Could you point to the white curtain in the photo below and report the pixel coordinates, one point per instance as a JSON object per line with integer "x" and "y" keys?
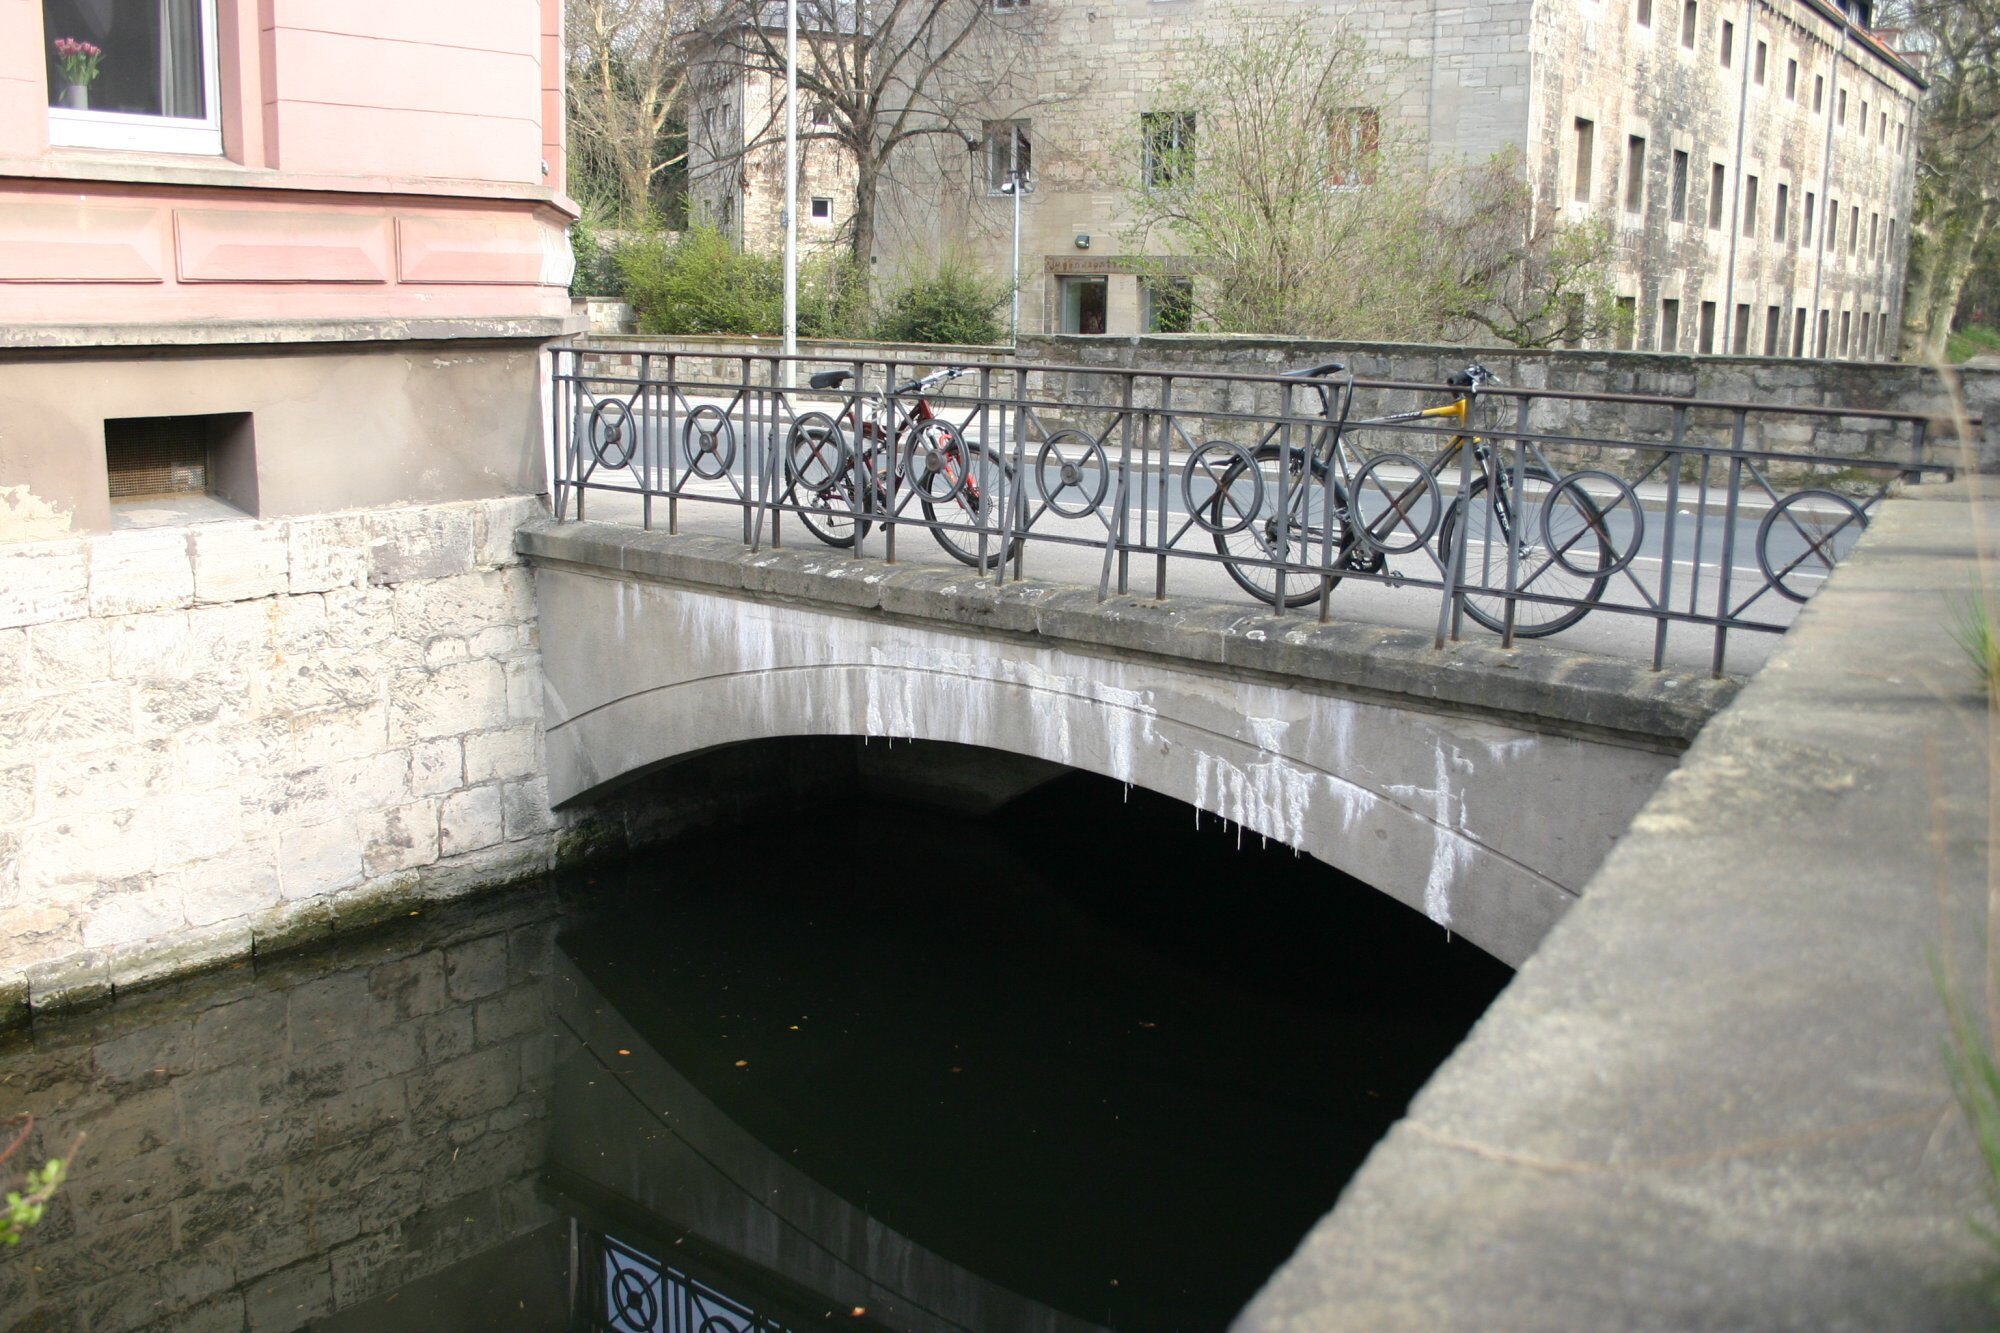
{"x": 181, "y": 92}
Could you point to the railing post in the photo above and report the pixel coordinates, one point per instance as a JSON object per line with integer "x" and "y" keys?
{"x": 1124, "y": 488}
{"x": 1662, "y": 624}
{"x": 1517, "y": 536}
{"x": 1728, "y": 541}
{"x": 1165, "y": 432}
{"x": 1454, "y": 565}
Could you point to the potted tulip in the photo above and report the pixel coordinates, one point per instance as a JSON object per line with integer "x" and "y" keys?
{"x": 79, "y": 66}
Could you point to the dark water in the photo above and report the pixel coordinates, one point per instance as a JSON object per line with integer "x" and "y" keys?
{"x": 877, "y": 1065}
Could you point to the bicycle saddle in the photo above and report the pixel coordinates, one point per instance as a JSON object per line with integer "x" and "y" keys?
{"x": 1315, "y": 372}
{"x": 830, "y": 379}
{"x": 1473, "y": 375}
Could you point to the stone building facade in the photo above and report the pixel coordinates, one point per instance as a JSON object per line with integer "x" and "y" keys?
{"x": 1715, "y": 138}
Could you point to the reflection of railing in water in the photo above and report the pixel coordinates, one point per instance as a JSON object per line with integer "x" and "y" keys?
{"x": 1702, "y": 531}
{"x": 629, "y": 1291}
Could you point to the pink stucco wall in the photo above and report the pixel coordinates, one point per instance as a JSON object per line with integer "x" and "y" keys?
{"x": 381, "y": 159}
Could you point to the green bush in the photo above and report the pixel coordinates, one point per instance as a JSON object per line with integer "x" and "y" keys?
{"x": 596, "y": 264}
{"x": 700, "y": 283}
{"x": 953, "y": 303}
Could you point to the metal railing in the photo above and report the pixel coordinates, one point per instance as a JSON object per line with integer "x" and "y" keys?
{"x": 1683, "y": 515}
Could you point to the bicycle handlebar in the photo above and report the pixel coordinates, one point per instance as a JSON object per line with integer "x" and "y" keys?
{"x": 935, "y": 377}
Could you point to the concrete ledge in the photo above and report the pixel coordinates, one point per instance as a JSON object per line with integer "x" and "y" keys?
{"x": 248, "y": 333}
{"x": 1531, "y": 683}
{"x": 1715, "y": 1096}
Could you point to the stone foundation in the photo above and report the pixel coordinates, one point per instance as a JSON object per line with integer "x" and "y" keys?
{"x": 223, "y": 735}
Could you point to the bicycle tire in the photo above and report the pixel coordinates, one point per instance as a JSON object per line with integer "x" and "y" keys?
{"x": 1257, "y": 540}
{"x": 972, "y": 501}
{"x": 1547, "y": 576}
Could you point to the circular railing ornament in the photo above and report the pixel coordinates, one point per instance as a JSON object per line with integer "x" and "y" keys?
{"x": 1816, "y": 535}
{"x": 1067, "y": 460}
{"x": 816, "y": 451}
{"x": 935, "y": 462}
{"x": 1597, "y": 512}
{"x": 710, "y": 440}
{"x": 612, "y": 435}
{"x": 1237, "y": 487}
{"x": 1421, "y": 504}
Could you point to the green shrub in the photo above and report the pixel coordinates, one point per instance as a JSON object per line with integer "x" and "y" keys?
{"x": 700, "y": 283}
{"x": 596, "y": 264}
{"x": 953, "y": 303}
{"x": 833, "y": 298}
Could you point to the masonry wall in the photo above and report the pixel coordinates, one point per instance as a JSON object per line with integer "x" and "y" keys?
{"x": 1766, "y": 383}
{"x": 222, "y": 733}
{"x": 264, "y": 1149}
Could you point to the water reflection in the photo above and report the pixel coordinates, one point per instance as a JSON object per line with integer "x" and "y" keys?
{"x": 1076, "y": 1066}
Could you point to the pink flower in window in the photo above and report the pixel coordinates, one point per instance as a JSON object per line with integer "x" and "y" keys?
{"x": 79, "y": 60}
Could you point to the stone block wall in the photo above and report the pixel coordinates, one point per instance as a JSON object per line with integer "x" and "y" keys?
{"x": 1772, "y": 383}
{"x": 220, "y": 735}
{"x": 262, "y": 1150}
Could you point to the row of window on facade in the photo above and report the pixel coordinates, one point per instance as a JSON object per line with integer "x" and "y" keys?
{"x": 1167, "y": 145}
{"x": 1859, "y": 334}
{"x": 1751, "y": 221}
{"x": 1760, "y": 67}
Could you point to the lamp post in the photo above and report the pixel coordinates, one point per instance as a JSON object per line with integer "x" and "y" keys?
{"x": 1017, "y": 185}
{"x": 791, "y": 189}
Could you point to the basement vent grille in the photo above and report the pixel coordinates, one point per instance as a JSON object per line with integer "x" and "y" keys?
{"x": 149, "y": 456}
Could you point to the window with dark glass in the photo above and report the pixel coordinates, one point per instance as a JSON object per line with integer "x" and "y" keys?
{"x": 1009, "y": 154}
{"x": 129, "y": 57}
{"x": 1166, "y": 146}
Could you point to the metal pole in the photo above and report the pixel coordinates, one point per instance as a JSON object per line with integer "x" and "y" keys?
{"x": 791, "y": 190}
{"x": 1014, "y": 174}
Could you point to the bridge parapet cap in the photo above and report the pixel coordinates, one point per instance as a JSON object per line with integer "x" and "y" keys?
{"x": 1536, "y": 685}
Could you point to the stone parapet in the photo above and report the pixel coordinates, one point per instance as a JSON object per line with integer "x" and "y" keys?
{"x": 223, "y": 734}
{"x": 1718, "y": 1095}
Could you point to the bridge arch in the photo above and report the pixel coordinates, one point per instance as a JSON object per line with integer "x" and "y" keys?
{"x": 1489, "y": 829}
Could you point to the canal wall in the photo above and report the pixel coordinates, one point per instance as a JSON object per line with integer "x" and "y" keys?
{"x": 1719, "y": 1096}
{"x": 220, "y": 735}
{"x": 263, "y": 1149}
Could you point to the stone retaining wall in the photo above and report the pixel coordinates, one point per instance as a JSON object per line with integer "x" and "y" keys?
{"x": 1771, "y": 383}
{"x": 221, "y": 734}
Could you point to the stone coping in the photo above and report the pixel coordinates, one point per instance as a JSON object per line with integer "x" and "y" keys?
{"x": 259, "y": 332}
{"x": 1716, "y": 1096}
{"x": 1532, "y": 683}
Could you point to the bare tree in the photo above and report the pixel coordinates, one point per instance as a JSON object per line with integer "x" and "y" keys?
{"x": 1958, "y": 162}
{"x": 877, "y": 78}
{"x": 627, "y": 73}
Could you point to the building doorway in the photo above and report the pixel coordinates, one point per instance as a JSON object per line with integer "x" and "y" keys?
{"x": 1084, "y": 304}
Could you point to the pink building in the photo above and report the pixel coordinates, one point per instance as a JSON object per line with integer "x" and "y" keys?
{"x": 275, "y": 280}
{"x": 272, "y": 173}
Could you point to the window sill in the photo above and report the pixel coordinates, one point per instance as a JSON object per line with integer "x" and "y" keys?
{"x": 133, "y": 134}
{"x": 173, "y": 169}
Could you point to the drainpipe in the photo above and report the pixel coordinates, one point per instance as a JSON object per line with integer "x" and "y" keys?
{"x": 1825, "y": 199}
{"x": 1749, "y": 55}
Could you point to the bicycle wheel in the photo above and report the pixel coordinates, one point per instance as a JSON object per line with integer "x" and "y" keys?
{"x": 1305, "y": 536}
{"x": 819, "y": 481}
{"x": 973, "y": 483}
{"x": 1574, "y": 523}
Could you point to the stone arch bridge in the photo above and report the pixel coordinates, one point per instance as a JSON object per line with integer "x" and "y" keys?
{"x": 1478, "y": 786}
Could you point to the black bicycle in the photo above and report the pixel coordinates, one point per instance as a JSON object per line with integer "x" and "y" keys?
{"x": 1318, "y": 511}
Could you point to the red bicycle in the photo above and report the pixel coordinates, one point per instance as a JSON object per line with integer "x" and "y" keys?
{"x": 885, "y": 450}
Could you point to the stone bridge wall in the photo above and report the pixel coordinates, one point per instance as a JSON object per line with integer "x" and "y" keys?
{"x": 221, "y": 733}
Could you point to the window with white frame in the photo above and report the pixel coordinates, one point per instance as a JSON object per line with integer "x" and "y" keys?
{"x": 822, "y": 210}
{"x": 132, "y": 74}
{"x": 1166, "y": 146}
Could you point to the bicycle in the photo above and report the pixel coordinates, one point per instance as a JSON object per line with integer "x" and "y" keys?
{"x": 1562, "y": 549}
{"x": 839, "y": 490}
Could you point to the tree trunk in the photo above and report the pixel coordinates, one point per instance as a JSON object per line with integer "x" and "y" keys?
{"x": 867, "y": 182}
{"x": 1942, "y": 255}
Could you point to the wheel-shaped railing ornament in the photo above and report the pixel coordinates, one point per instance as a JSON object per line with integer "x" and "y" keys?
{"x": 1413, "y": 510}
{"x": 815, "y": 451}
{"x": 1817, "y": 532}
{"x": 710, "y": 440}
{"x": 612, "y": 434}
{"x": 1072, "y": 473}
{"x": 935, "y": 461}
{"x": 1236, "y": 494}
{"x": 1572, "y": 497}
